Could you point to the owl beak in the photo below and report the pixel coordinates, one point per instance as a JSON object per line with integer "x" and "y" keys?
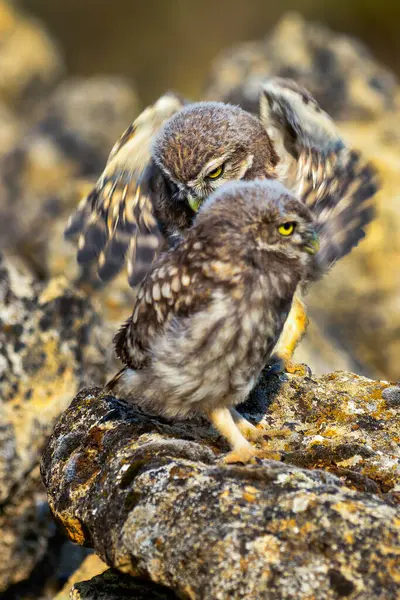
{"x": 194, "y": 203}
{"x": 312, "y": 245}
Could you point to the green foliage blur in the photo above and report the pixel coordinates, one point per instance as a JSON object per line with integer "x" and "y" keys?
{"x": 169, "y": 44}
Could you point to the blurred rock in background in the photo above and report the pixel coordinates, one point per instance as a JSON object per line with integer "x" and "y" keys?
{"x": 56, "y": 323}
{"x": 338, "y": 70}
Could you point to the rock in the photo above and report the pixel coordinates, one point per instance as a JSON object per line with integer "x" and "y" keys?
{"x": 90, "y": 568}
{"x": 152, "y": 498}
{"x": 30, "y": 61}
{"x": 392, "y": 396}
{"x": 51, "y": 343}
{"x": 26, "y": 527}
{"x": 49, "y": 170}
{"x": 112, "y": 585}
{"x": 355, "y": 310}
{"x": 337, "y": 69}
{"x": 10, "y": 129}
{"x": 70, "y": 140}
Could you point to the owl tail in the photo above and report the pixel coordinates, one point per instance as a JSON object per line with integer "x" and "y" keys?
{"x": 343, "y": 204}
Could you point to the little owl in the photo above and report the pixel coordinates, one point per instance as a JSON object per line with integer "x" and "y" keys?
{"x": 211, "y": 309}
{"x": 176, "y": 154}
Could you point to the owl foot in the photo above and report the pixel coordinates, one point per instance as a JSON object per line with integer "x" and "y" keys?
{"x": 257, "y": 433}
{"x": 277, "y": 433}
{"x": 248, "y": 454}
{"x": 244, "y": 454}
{"x": 280, "y": 365}
{"x": 250, "y": 431}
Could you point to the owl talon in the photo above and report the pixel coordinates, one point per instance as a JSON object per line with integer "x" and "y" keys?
{"x": 300, "y": 369}
{"x": 244, "y": 454}
{"x": 280, "y": 365}
{"x": 249, "y": 454}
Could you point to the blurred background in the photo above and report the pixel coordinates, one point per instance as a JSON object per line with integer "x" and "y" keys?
{"x": 163, "y": 44}
{"x": 73, "y": 75}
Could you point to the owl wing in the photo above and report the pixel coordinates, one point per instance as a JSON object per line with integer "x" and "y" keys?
{"x": 172, "y": 289}
{"x": 334, "y": 181}
{"x": 304, "y": 135}
{"x": 343, "y": 206}
{"x": 115, "y": 221}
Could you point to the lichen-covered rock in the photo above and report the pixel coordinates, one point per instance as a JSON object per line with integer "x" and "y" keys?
{"x": 153, "y": 499}
{"x": 89, "y": 569}
{"x": 26, "y": 526}
{"x": 113, "y": 585}
{"x": 30, "y": 62}
{"x": 51, "y": 343}
{"x": 337, "y": 69}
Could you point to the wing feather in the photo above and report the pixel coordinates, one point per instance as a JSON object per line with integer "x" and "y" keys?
{"x": 343, "y": 205}
{"x": 335, "y": 182}
{"x": 120, "y": 206}
{"x": 304, "y": 135}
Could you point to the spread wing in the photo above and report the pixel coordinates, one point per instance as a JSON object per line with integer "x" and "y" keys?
{"x": 115, "y": 221}
{"x": 304, "y": 135}
{"x": 343, "y": 205}
{"x": 335, "y": 182}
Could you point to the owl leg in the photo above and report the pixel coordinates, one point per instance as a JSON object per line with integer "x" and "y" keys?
{"x": 250, "y": 431}
{"x": 254, "y": 433}
{"x": 293, "y": 331}
{"x": 242, "y": 450}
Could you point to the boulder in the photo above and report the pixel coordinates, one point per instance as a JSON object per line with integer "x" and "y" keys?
{"x": 153, "y": 498}
{"x": 30, "y": 60}
{"x": 51, "y": 343}
{"x": 90, "y": 569}
{"x": 53, "y": 163}
{"x": 113, "y": 585}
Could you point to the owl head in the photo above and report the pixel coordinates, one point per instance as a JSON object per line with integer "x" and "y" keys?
{"x": 265, "y": 218}
{"x": 208, "y": 144}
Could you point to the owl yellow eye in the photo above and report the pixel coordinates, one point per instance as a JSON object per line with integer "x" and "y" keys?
{"x": 216, "y": 173}
{"x": 286, "y": 228}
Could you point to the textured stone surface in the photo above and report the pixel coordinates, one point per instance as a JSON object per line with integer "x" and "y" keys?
{"x": 153, "y": 499}
{"x": 26, "y": 526}
{"x": 90, "y": 568}
{"x": 51, "y": 343}
{"x": 337, "y": 69}
{"x": 112, "y": 585}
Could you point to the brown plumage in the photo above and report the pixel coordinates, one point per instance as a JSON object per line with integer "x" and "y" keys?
{"x": 176, "y": 155}
{"x": 211, "y": 310}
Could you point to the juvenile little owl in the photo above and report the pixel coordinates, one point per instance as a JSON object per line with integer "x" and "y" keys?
{"x": 175, "y": 155}
{"x": 211, "y": 309}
